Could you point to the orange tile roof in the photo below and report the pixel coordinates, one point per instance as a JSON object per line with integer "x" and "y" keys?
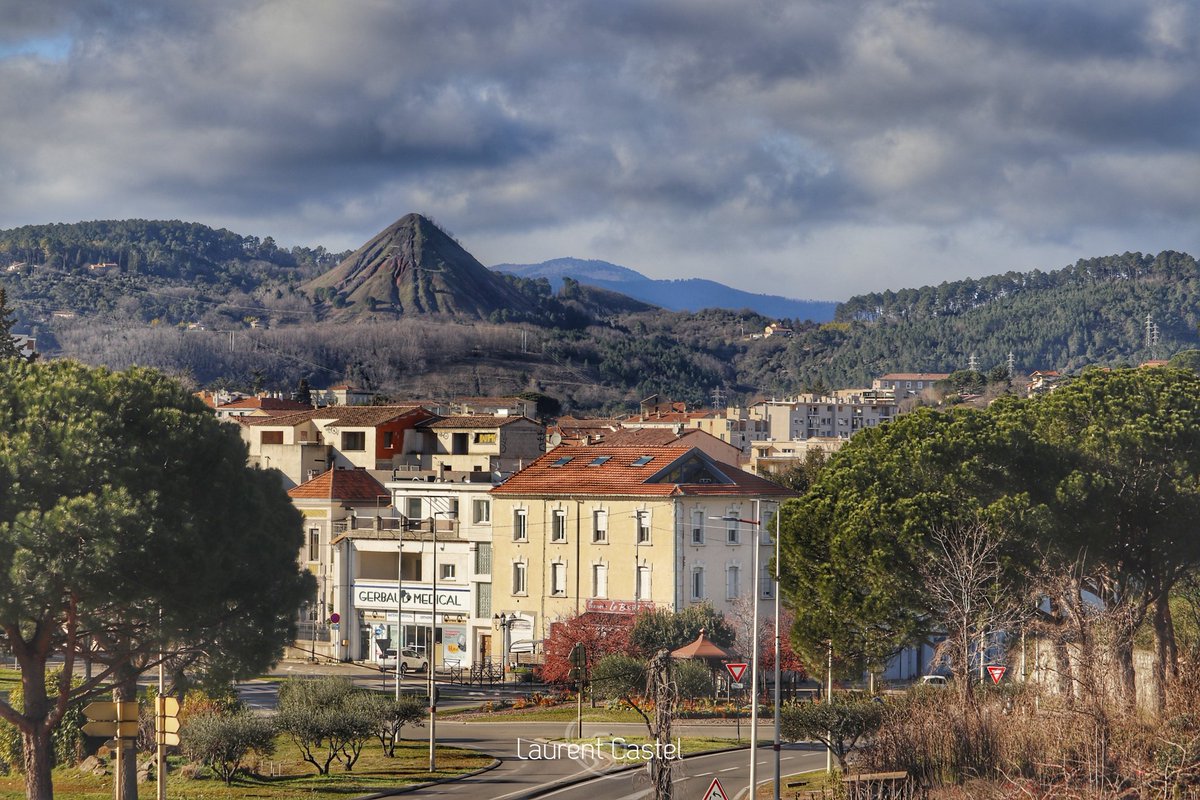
{"x": 267, "y": 404}
{"x": 616, "y": 476}
{"x": 341, "y": 484}
{"x": 475, "y": 421}
{"x": 352, "y": 416}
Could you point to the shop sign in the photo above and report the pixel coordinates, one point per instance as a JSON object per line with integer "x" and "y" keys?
{"x": 415, "y": 597}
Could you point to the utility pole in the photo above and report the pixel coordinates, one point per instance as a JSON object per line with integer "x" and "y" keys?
{"x": 776, "y": 698}
{"x": 829, "y": 700}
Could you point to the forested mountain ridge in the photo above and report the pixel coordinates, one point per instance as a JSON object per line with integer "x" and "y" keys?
{"x": 222, "y": 309}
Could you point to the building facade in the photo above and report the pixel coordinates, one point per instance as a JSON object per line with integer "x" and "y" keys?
{"x": 618, "y": 529}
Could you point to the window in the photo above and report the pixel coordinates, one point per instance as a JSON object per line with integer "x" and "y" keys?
{"x": 643, "y": 527}
{"x": 483, "y": 600}
{"x": 766, "y": 582}
{"x": 698, "y": 583}
{"x": 599, "y": 461}
{"x": 642, "y": 461}
{"x": 732, "y": 582}
{"x": 483, "y": 558}
{"x": 558, "y": 579}
{"x": 272, "y": 437}
{"x": 447, "y": 572}
{"x": 599, "y": 580}
{"x": 388, "y": 438}
{"x": 562, "y": 462}
{"x": 485, "y": 438}
{"x": 519, "y": 586}
{"x": 354, "y": 440}
{"x": 600, "y": 525}
{"x": 520, "y": 531}
{"x": 643, "y": 583}
{"x": 732, "y": 532}
{"x": 698, "y": 527}
{"x": 412, "y": 507}
{"x": 314, "y": 544}
{"x": 558, "y": 526}
{"x": 481, "y": 511}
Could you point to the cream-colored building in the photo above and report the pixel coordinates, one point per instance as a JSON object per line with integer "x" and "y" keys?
{"x": 616, "y": 529}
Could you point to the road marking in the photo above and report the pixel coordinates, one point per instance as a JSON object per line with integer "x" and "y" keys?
{"x": 703, "y": 774}
{"x": 728, "y": 769}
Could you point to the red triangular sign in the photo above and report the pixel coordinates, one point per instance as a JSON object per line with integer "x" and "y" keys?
{"x": 715, "y": 792}
{"x": 997, "y": 673}
{"x": 736, "y": 671}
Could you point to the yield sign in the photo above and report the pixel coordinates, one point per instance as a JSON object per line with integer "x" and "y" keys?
{"x": 736, "y": 671}
{"x": 715, "y": 792}
{"x": 997, "y": 673}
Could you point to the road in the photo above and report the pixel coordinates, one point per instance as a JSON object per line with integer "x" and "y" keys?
{"x": 522, "y": 774}
{"x": 692, "y": 777}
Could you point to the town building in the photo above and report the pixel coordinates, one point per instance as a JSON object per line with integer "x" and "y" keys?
{"x": 474, "y": 443}
{"x": 305, "y": 444}
{"x": 908, "y": 384}
{"x": 618, "y": 529}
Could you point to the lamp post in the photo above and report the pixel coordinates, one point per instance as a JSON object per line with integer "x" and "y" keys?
{"x": 778, "y": 672}
{"x": 505, "y": 623}
{"x": 450, "y": 515}
{"x": 757, "y": 522}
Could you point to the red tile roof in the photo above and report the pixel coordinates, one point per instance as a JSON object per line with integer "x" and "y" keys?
{"x": 267, "y": 404}
{"x": 346, "y": 416}
{"x": 342, "y": 484}
{"x": 579, "y": 473}
{"x": 475, "y": 421}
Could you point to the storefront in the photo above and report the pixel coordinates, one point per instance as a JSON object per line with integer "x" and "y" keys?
{"x": 382, "y": 615}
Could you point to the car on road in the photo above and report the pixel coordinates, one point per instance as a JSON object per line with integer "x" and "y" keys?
{"x": 934, "y": 680}
{"x": 411, "y": 660}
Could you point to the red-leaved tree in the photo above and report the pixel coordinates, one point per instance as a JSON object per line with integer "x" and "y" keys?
{"x": 600, "y": 633}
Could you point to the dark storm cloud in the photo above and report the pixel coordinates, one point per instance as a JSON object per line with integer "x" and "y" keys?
{"x": 675, "y": 134}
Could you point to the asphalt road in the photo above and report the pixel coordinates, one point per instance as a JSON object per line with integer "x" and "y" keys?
{"x": 692, "y": 777}
{"x": 523, "y": 774}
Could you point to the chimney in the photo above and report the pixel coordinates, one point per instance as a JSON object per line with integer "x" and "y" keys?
{"x": 442, "y": 471}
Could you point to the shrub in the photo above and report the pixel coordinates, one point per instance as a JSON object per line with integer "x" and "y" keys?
{"x": 838, "y": 725}
{"x": 328, "y": 719}
{"x": 693, "y": 679}
{"x": 222, "y": 741}
{"x": 617, "y": 675}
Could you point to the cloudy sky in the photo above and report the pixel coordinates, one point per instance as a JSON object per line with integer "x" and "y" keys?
{"x": 812, "y": 148}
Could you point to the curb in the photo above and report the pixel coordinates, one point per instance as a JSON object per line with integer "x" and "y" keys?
{"x": 417, "y": 786}
{"x": 575, "y": 780}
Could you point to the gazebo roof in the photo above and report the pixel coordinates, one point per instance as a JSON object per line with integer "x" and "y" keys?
{"x": 703, "y": 647}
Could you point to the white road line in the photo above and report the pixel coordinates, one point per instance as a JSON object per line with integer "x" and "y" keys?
{"x": 728, "y": 769}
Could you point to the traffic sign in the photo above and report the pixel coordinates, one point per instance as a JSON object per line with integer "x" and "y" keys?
{"x": 736, "y": 671}
{"x": 121, "y": 730}
{"x": 166, "y": 706}
{"x": 715, "y": 792}
{"x": 168, "y": 738}
{"x": 997, "y": 672}
{"x": 112, "y": 712}
{"x": 335, "y": 618}
{"x": 737, "y": 686}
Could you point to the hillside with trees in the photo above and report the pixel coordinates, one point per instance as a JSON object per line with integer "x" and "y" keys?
{"x": 421, "y": 319}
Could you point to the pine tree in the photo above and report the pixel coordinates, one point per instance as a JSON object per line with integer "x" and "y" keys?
{"x": 8, "y": 347}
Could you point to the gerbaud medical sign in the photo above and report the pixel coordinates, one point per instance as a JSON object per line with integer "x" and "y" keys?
{"x": 415, "y": 597}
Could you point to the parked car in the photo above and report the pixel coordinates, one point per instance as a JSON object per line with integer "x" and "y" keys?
{"x": 934, "y": 680}
{"x": 411, "y": 660}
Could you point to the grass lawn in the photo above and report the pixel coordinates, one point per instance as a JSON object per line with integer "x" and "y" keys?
{"x": 10, "y": 679}
{"x": 562, "y": 713}
{"x": 292, "y": 777}
{"x": 815, "y": 780}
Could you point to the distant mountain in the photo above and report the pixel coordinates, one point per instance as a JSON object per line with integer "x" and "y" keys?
{"x": 689, "y": 294}
{"x": 414, "y": 267}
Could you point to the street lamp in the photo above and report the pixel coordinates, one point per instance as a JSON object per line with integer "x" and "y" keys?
{"x": 429, "y": 662}
{"x": 505, "y": 624}
{"x": 757, "y": 523}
